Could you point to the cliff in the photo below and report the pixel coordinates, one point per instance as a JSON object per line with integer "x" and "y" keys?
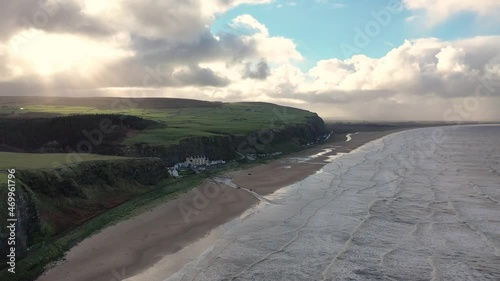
{"x": 226, "y": 147}
{"x": 52, "y": 201}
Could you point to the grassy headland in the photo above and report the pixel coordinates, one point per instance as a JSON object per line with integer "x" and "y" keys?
{"x": 175, "y": 123}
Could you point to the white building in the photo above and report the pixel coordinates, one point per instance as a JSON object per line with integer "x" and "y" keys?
{"x": 197, "y": 161}
{"x": 173, "y": 173}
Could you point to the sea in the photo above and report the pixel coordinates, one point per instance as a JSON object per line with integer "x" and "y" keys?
{"x": 422, "y": 204}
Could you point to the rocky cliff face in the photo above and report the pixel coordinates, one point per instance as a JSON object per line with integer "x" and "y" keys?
{"x": 53, "y": 201}
{"x": 281, "y": 138}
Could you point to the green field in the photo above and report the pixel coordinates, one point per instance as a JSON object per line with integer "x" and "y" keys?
{"x": 181, "y": 123}
{"x": 10, "y": 160}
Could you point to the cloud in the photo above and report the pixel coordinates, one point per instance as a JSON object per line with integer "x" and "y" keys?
{"x": 259, "y": 71}
{"x": 136, "y": 36}
{"x": 451, "y": 60}
{"x": 421, "y": 79}
{"x": 197, "y": 76}
{"x": 247, "y": 21}
{"x": 438, "y": 11}
{"x": 207, "y": 47}
{"x": 277, "y": 49}
{"x": 332, "y": 4}
{"x": 36, "y": 51}
{"x": 166, "y": 48}
{"x": 421, "y": 67}
{"x": 287, "y": 4}
{"x": 423, "y": 75}
{"x": 50, "y": 15}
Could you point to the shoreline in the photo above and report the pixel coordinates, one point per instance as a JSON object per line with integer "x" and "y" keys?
{"x": 135, "y": 245}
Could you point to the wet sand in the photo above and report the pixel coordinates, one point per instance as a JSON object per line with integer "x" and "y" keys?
{"x": 267, "y": 178}
{"x": 134, "y": 245}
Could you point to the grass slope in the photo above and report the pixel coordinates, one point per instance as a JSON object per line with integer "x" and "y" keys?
{"x": 10, "y": 160}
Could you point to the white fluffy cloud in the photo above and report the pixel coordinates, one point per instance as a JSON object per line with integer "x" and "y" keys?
{"x": 420, "y": 67}
{"x": 274, "y": 49}
{"x": 419, "y": 76}
{"x": 437, "y": 11}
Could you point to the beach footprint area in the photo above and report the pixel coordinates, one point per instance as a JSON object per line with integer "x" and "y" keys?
{"x": 416, "y": 205}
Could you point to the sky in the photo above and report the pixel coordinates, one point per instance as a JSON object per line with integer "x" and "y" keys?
{"x": 348, "y": 60}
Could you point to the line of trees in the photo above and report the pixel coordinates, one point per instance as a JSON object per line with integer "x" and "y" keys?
{"x": 60, "y": 133}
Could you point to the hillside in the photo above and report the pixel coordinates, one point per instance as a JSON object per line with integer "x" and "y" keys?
{"x": 137, "y": 126}
{"x": 25, "y": 161}
{"x": 56, "y": 204}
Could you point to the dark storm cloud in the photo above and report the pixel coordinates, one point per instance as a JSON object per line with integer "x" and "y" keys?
{"x": 260, "y": 71}
{"x": 200, "y": 77}
{"x": 129, "y": 73}
{"x": 342, "y": 97}
{"x": 335, "y": 96}
{"x": 133, "y": 72}
{"x": 230, "y": 47}
{"x": 53, "y": 16}
{"x": 3, "y": 68}
{"x": 182, "y": 20}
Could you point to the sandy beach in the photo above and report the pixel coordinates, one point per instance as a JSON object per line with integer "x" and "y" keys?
{"x": 134, "y": 245}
